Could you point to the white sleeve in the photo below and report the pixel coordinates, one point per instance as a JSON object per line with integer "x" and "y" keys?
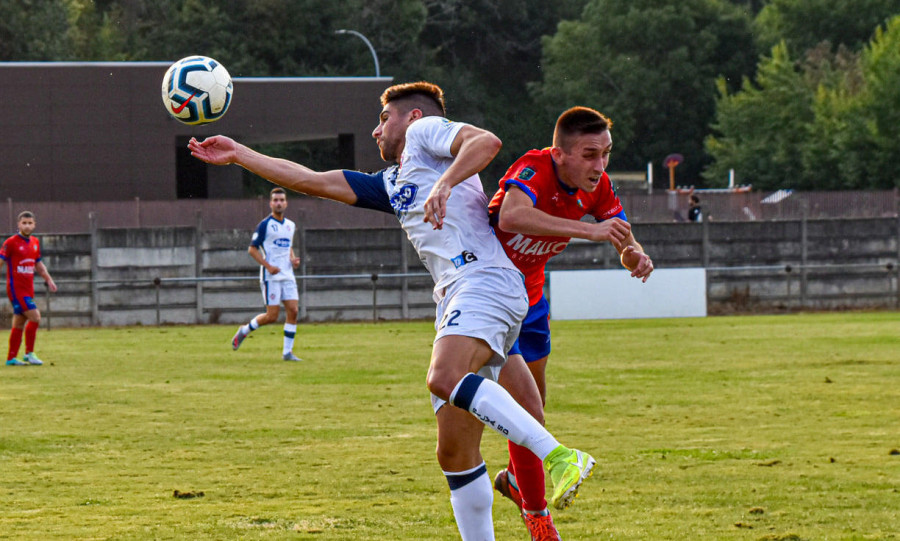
{"x": 434, "y": 134}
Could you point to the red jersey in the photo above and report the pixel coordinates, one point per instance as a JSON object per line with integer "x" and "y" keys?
{"x": 535, "y": 174}
{"x": 20, "y": 255}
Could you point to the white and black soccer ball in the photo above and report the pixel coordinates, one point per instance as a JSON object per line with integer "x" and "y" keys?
{"x": 197, "y": 90}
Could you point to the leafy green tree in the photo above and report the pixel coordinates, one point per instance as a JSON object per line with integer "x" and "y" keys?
{"x": 803, "y": 24}
{"x": 833, "y": 151}
{"x": 34, "y": 30}
{"x": 881, "y": 101}
{"x": 762, "y": 127}
{"x": 829, "y": 122}
{"x": 484, "y": 53}
{"x": 651, "y": 66}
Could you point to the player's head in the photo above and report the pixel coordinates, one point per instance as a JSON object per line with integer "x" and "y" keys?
{"x": 401, "y": 105}
{"x": 695, "y": 200}
{"x": 278, "y": 201}
{"x": 581, "y": 147}
{"x": 25, "y": 222}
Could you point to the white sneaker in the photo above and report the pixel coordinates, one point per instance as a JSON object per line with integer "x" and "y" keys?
{"x": 289, "y": 356}
{"x": 31, "y": 358}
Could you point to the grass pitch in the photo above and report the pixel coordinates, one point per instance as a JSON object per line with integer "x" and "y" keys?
{"x": 735, "y": 428}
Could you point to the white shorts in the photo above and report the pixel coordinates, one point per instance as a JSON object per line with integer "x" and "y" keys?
{"x": 488, "y": 304}
{"x": 277, "y": 291}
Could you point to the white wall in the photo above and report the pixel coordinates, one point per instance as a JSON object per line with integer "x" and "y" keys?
{"x": 614, "y": 294}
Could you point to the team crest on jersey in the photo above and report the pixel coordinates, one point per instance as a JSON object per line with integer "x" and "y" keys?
{"x": 463, "y": 258}
{"x": 404, "y": 197}
{"x": 525, "y": 174}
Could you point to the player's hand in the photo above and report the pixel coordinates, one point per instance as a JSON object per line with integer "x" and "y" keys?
{"x": 615, "y": 230}
{"x": 295, "y": 261}
{"x": 51, "y": 285}
{"x": 637, "y": 262}
{"x": 273, "y": 269}
{"x": 217, "y": 150}
{"x": 436, "y": 205}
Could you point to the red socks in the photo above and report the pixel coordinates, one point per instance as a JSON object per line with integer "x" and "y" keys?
{"x": 15, "y": 339}
{"x": 529, "y": 472}
{"x": 30, "y": 335}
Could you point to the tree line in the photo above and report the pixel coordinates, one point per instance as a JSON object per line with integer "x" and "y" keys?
{"x": 801, "y": 94}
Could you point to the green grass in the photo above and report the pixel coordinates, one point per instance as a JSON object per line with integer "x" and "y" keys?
{"x": 735, "y": 428}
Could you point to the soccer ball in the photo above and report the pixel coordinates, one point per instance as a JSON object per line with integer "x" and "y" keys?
{"x": 196, "y": 90}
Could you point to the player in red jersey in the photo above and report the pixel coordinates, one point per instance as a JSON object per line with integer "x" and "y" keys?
{"x": 536, "y": 211}
{"x": 22, "y": 255}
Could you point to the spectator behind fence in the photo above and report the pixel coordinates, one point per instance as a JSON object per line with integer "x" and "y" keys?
{"x": 695, "y": 212}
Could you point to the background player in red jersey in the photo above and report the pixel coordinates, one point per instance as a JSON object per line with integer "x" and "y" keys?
{"x": 22, "y": 255}
{"x": 536, "y": 211}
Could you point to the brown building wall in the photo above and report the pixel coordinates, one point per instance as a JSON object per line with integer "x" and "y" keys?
{"x": 99, "y": 131}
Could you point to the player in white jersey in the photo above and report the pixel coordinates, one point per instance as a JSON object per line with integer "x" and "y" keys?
{"x": 480, "y": 295}
{"x": 271, "y": 247}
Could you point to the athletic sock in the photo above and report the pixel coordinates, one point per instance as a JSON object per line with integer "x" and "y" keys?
{"x": 15, "y": 340}
{"x": 30, "y": 336}
{"x": 496, "y": 408}
{"x": 290, "y": 330}
{"x": 529, "y": 477}
{"x": 250, "y": 327}
{"x": 471, "y": 496}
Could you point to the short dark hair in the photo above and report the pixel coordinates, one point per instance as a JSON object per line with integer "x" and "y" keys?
{"x": 25, "y": 214}
{"x": 277, "y": 190}
{"x": 425, "y": 96}
{"x": 578, "y": 121}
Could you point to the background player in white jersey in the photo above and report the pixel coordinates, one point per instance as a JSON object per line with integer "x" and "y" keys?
{"x": 272, "y": 247}
{"x": 480, "y": 295}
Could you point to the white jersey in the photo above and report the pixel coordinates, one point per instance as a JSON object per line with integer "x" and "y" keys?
{"x": 466, "y": 242}
{"x": 274, "y": 238}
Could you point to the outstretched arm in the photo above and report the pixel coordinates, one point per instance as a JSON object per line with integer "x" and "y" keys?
{"x": 518, "y": 215}
{"x": 221, "y": 150}
{"x": 473, "y": 148}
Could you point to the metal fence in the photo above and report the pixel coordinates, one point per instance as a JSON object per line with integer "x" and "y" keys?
{"x": 313, "y": 213}
{"x": 792, "y": 289}
{"x": 158, "y": 284}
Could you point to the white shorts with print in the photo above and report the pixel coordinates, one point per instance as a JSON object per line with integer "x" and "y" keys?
{"x": 277, "y": 291}
{"x": 488, "y": 304}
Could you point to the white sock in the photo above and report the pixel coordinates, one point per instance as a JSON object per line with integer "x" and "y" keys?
{"x": 472, "y": 496}
{"x": 290, "y": 330}
{"x": 250, "y": 327}
{"x": 496, "y": 408}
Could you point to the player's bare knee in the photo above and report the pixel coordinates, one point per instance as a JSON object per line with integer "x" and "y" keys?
{"x": 439, "y": 384}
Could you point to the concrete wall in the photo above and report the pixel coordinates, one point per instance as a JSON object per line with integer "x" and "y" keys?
{"x": 770, "y": 266}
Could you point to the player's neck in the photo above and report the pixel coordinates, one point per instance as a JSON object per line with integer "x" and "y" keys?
{"x": 563, "y": 184}
{"x": 24, "y": 235}
{"x": 278, "y": 216}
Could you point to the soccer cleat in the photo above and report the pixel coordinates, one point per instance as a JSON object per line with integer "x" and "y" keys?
{"x": 15, "y": 362}
{"x": 541, "y": 527}
{"x": 238, "y": 338}
{"x": 289, "y": 356}
{"x": 31, "y": 358}
{"x": 505, "y": 484}
{"x": 568, "y": 469}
